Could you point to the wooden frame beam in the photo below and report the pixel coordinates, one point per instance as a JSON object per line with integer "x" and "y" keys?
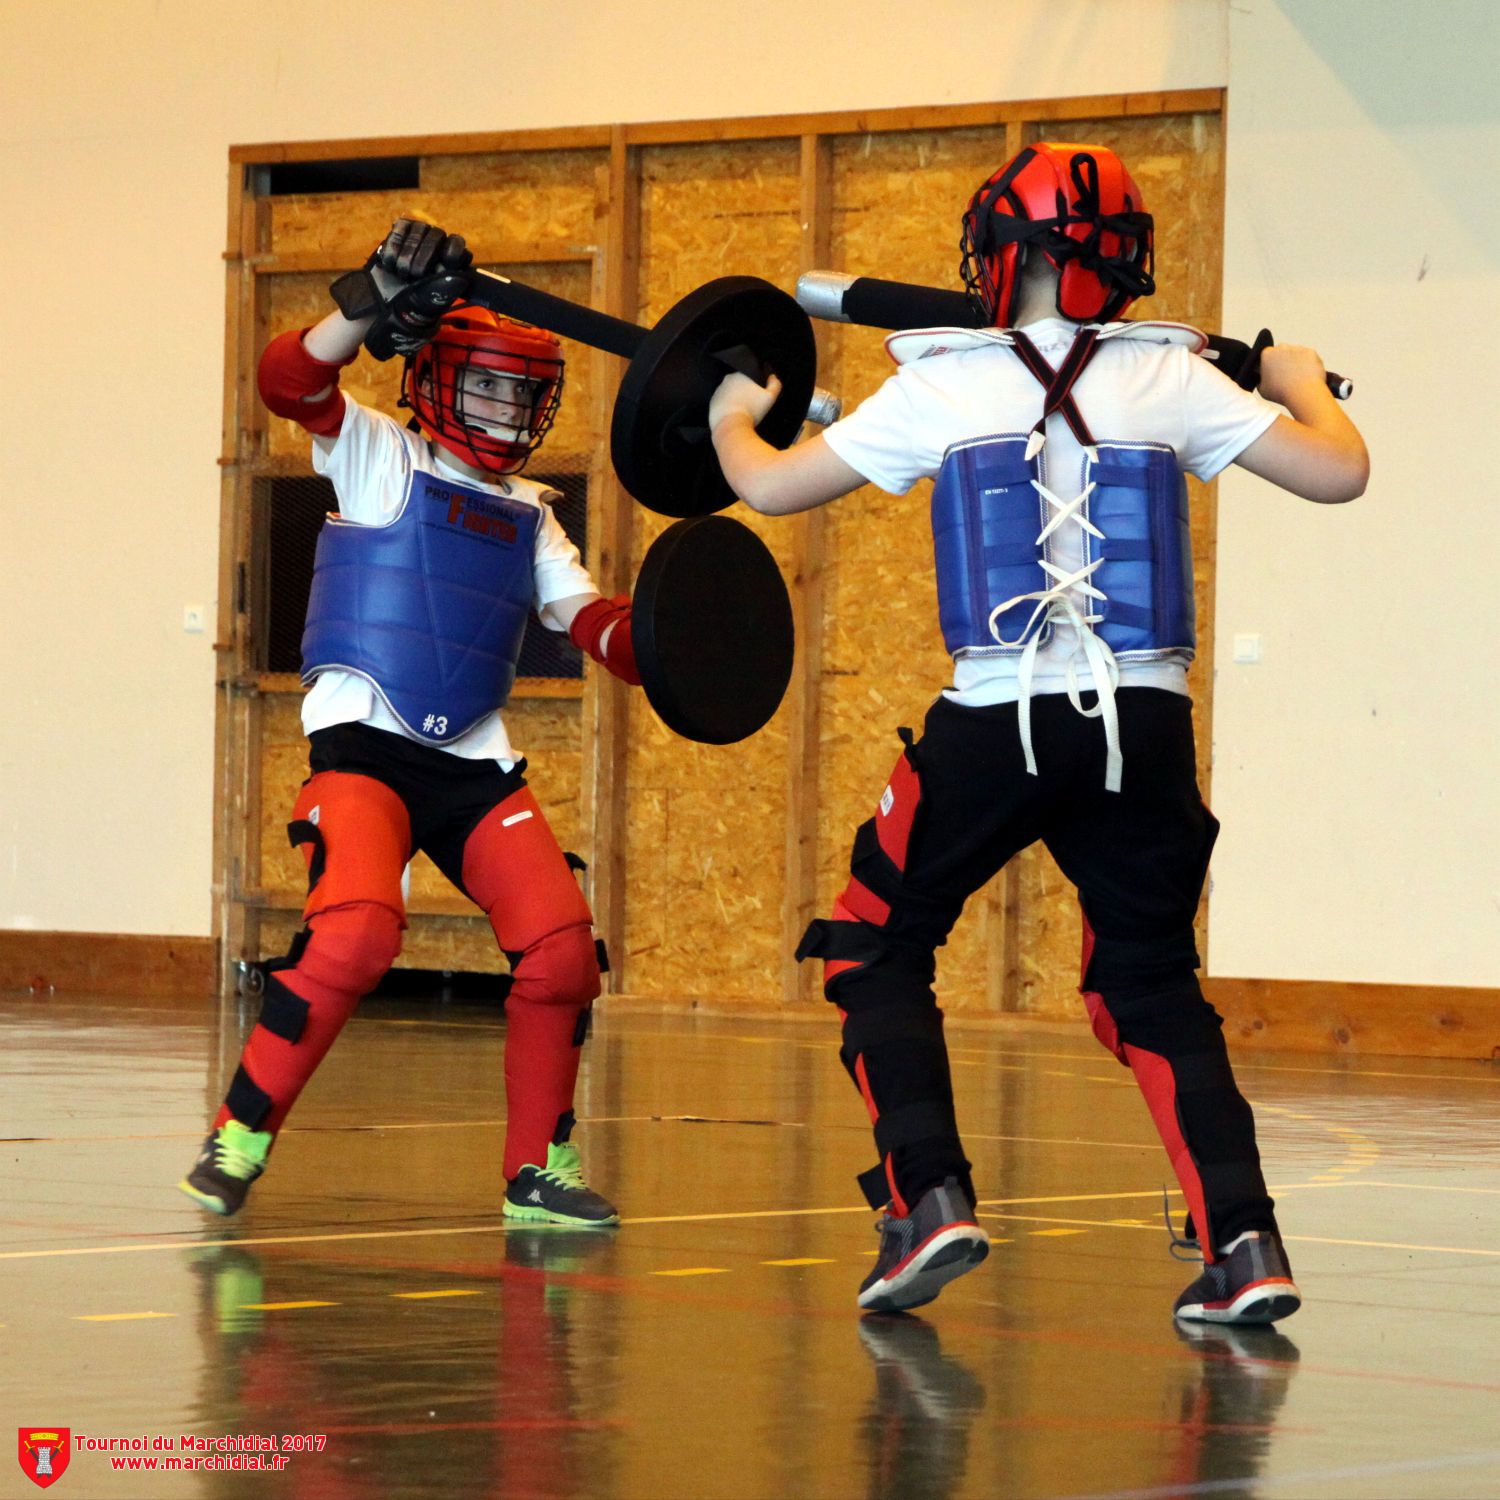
{"x": 745, "y": 128}
{"x": 799, "y": 982}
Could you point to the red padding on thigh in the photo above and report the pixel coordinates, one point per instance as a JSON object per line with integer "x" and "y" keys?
{"x": 898, "y": 810}
{"x": 515, "y": 872}
{"x": 1154, "y": 1075}
{"x": 366, "y": 837}
{"x": 859, "y": 903}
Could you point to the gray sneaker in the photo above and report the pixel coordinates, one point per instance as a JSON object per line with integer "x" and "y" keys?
{"x": 922, "y": 1252}
{"x": 1252, "y": 1284}
{"x": 557, "y": 1194}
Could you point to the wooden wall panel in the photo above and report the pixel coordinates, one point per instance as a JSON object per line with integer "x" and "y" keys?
{"x": 706, "y": 824}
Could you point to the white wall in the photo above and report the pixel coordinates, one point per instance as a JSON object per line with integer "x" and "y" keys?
{"x": 1355, "y": 843}
{"x": 1355, "y": 765}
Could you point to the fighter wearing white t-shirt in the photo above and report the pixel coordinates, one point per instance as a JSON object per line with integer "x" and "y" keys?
{"x": 1057, "y": 438}
{"x": 422, "y": 587}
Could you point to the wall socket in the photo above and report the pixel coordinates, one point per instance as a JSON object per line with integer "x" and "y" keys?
{"x": 193, "y": 617}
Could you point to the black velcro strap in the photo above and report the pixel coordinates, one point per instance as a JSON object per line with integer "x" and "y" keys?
{"x": 602, "y": 953}
{"x": 875, "y": 1185}
{"x": 248, "y": 1102}
{"x": 575, "y": 861}
{"x": 302, "y": 832}
{"x": 282, "y": 1013}
{"x": 565, "y": 1123}
{"x": 915, "y": 1122}
{"x": 583, "y": 1025}
{"x": 825, "y": 938}
{"x": 293, "y": 954}
{"x": 1059, "y": 383}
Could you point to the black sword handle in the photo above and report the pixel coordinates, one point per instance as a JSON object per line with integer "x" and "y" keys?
{"x": 1241, "y": 363}
{"x": 556, "y": 314}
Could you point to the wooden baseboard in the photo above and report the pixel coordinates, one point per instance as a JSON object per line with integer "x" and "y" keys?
{"x": 1389, "y": 1020}
{"x": 109, "y": 963}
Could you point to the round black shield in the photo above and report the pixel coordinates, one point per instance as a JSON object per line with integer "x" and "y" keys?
{"x": 659, "y": 439}
{"x": 712, "y": 630}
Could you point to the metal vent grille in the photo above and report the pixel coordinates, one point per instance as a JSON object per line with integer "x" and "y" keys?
{"x": 296, "y": 506}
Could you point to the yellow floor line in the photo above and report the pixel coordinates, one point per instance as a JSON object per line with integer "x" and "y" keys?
{"x": 119, "y": 1317}
{"x": 456, "y": 1292}
{"x": 281, "y": 1306}
{"x": 348, "y": 1236}
{"x": 802, "y": 1260}
{"x": 694, "y": 1271}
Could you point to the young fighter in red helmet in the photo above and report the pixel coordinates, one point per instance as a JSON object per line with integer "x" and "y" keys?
{"x": 1058, "y": 438}
{"x": 420, "y": 597}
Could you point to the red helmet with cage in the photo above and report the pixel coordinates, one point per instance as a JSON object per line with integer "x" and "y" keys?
{"x": 1076, "y": 205}
{"x": 461, "y": 386}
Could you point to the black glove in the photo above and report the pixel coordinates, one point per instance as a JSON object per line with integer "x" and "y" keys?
{"x": 415, "y": 250}
{"x": 431, "y": 263}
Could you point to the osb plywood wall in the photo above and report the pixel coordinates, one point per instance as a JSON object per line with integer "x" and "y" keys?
{"x": 703, "y": 860}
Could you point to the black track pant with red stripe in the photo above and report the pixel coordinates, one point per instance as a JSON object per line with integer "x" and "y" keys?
{"x": 958, "y": 806}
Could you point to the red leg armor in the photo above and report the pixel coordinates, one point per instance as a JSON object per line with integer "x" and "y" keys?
{"x": 515, "y": 871}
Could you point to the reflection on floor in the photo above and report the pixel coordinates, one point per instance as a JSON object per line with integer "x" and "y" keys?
{"x": 368, "y": 1323}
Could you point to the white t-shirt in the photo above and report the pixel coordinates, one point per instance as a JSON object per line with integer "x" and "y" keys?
{"x": 1131, "y": 390}
{"x": 370, "y": 463}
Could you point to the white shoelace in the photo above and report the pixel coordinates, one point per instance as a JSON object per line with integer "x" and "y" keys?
{"x": 1053, "y": 605}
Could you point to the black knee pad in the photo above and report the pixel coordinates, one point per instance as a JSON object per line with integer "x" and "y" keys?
{"x": 1173, "y": 1021}
{"x": 1122, "y": 967}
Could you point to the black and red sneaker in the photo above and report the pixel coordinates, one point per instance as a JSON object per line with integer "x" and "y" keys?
{"x": 1252, "y": 1283}
{"x": 921, "y": 1252}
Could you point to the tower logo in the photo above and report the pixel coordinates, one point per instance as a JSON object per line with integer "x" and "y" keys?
{"x": 43, "y": 1453}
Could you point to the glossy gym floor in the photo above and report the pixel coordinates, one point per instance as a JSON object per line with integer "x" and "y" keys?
{"x": 369, "y": 1319}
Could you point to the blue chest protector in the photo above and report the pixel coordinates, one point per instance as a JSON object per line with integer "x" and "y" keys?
{"x": 431, "y": 608}
{"x": 986, "y": 519}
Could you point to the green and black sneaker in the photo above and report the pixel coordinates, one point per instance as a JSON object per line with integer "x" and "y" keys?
{"x": 233, "y": 1156}
{"x": 557, "y": 1193}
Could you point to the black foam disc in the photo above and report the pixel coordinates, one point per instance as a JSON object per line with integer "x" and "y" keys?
{"x": 712, "y": 630}
{"x": 659, "y": 439}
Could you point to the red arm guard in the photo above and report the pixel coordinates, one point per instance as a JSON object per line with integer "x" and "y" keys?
{"x": 288, "y": 374}
{"x": 592, "y": 621}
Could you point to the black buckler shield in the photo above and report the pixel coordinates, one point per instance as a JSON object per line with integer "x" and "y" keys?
{"x": 659, "y": 438}
{"x": 712, "y": 629}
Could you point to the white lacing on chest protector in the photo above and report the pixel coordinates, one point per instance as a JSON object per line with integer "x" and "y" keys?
{"x": 1054, "y": 605}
